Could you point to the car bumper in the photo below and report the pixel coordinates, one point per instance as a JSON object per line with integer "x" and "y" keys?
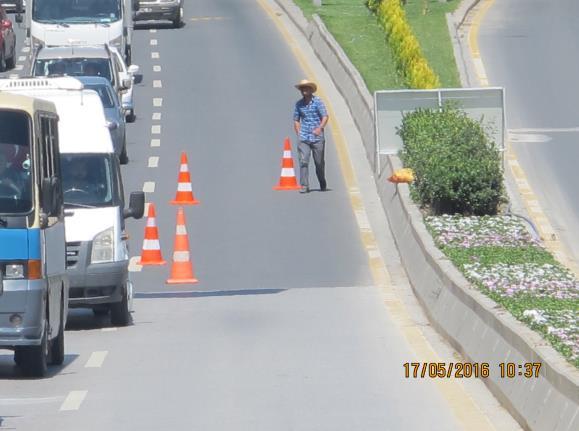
{"x": 98, "y": 284}
{"x": 157, "y": 12}
{"x": 25, "y": 298}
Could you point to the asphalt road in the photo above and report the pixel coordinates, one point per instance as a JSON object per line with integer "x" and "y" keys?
{"x": 530, "y": 48}
{"x": 285, "y": 329}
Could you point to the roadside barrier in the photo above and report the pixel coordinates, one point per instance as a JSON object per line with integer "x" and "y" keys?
{"x": 184, "y": 194}
{"x": 182, "y": 268}
{"x": 151, "y": 253}
{"x": 287, "y": 179}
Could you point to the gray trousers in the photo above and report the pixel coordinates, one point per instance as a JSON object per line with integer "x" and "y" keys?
{"x": 304, "y": 151}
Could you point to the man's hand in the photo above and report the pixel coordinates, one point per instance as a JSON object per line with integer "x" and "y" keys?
{"x": 317, "y": 131}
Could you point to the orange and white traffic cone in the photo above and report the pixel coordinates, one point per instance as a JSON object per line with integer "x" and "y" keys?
{"x": 287, "y": 179}
{"x": 151, "y": 254}
{"x": 184, "y": 189}
{"x": 182, "y": 268}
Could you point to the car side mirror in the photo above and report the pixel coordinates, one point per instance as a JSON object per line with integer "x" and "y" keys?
{"x": 112, "y": 125}
{"x": 136, "y": 207}
{"x": 19, "y": 19}
{"x": 133, "y": 69}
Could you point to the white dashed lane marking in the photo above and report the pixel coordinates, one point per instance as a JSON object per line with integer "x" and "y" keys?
{"x": 22, "y": 58}
{"x": 109, "y": 329}
{"x": 153, "y": 42}
{"x": 155, "y": 142}
{"x": 14, "y": 76}
{"x": 153, "y": 162}
{"x": 156, "y": 116}
{"x": 19, "y": 67}
{"x": 73, "y": 400}
{"x": 96, "y": 359}
{"x": 134, "y": 264}
{"x": 156, "y": 129}
{"x": 149, "y": 187}
{"x": 153, "y": 30}
{"x": 154, "y": 54}
{"x": 158, "y": 101}
{"x": 157, "y": 83}
{"x": 25, "y": 49}
{"x": 156, "y": 68}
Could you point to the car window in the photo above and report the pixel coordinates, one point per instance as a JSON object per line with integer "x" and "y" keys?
{"x": 73, "y": 67}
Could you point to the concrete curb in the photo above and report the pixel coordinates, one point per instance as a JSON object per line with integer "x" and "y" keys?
{"x": 475, "y": 325}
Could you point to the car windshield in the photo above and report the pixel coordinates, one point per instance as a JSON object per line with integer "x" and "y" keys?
{"x": 73, "y": 67}
{"x": 15, "y": 174}
{"x": 104, "y": 93}
{"x": 76, "y": 11}
{"x": 87, "y": 180}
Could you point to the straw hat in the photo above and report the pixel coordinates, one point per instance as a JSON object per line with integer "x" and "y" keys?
{"x": 307, "y": 83}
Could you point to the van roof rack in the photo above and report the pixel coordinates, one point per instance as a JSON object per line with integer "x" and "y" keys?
{"x": 61, "y": 83}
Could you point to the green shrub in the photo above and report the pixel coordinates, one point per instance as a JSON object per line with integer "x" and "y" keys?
{"x": 405, "y": 47}
{"x": 457, "y": 167}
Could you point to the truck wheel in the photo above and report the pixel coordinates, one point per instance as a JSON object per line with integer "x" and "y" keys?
{"x": 57, "y": 344}
{"x": 120, "y": 313}
{"x": 124, "y": 158}
{"x": 131, "y": 117}
{"x": 34, "y": 359}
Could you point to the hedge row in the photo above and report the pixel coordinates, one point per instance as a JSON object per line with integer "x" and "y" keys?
{"x": 409, "y": 58}
{"x": 457, "y": 166}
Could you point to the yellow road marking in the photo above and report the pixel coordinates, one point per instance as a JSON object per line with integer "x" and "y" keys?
{"x": 460, "y": 402}
{"x": 528, "y": 196}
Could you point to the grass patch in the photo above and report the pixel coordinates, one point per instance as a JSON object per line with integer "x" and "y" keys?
{"x": 357, "y": 31}
{"x": 488, "y": 256}
{"x": 431, "y": 31}
{"x": 363, "y": 40}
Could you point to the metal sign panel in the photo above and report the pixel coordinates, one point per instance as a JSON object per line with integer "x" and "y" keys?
{"x": 481, "y": 104}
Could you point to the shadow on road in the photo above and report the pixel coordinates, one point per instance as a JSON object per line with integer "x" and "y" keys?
{"x": 198, "y": 294}
{"x": 9, "y": 370}
{"x": 156, "y": 26}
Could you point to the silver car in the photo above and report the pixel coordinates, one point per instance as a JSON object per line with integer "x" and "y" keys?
{"x": 114, "y": 112}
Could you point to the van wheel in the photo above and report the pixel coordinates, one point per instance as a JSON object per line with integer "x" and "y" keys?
{"x": 57, "y": 345}
{"x": 120, "y": 313}
{"x": 34, "y": 359}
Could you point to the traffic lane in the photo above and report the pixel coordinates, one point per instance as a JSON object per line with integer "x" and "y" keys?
{"x": 522, "y": 50}
{"x": 230, "y": 111}
{"x": 27, "y": 402}
{"x": 303, "y": 359}
{"x": 529, "y": 48}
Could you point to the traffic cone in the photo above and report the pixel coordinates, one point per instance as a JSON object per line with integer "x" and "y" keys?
{"x": 182, "y": 268}
{"x": 287, "y": 179}
{"x": 184, "y": 190}
{"x": 151, "y": 254}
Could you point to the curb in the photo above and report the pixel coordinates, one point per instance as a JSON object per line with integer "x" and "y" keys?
{"x": 475, "y": 325}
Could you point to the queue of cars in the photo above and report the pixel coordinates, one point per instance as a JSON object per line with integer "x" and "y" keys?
{"x": 63, "y": 242}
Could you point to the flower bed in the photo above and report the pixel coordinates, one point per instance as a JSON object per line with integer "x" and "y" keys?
{"x": 499, "y": 257}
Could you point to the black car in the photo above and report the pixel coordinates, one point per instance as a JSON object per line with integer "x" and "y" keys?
{"x": 160, "y": 10}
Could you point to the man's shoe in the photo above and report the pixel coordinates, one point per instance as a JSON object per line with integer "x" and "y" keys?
{"x": 323, "y": 186}
{"x": 305, "y": 190}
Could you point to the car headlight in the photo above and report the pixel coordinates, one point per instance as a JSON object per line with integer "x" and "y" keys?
{"x": 103, "y": 247}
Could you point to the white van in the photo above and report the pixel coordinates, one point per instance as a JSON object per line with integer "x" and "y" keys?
{"x": 85, "y": 22}
{"x": 97, "y": 255}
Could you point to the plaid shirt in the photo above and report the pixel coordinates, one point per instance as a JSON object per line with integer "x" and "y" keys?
{"x": 310, "y": 116}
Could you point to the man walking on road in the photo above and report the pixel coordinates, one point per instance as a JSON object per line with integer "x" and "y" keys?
{"x": 310, "y": 118}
